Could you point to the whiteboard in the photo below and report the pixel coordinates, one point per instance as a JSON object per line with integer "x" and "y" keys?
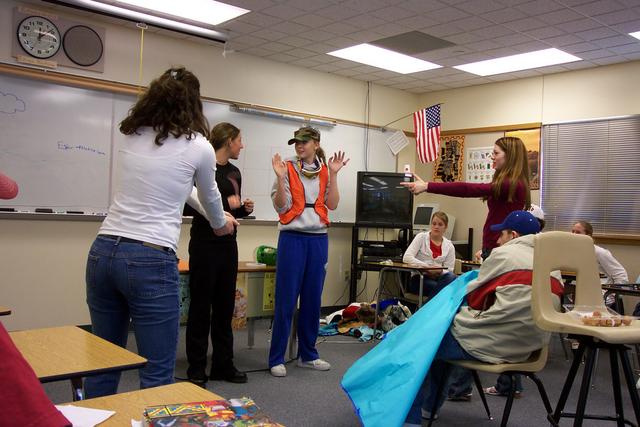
{"x": 59, "y": 144}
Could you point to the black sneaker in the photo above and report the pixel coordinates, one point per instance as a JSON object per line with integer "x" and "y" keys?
{"x": 199, "y": 381}
{"x": 232, "y": 375}
{"x": 466, "y": 397}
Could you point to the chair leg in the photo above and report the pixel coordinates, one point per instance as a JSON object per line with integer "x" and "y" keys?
{"x": 564, "y": 346}
{"x": 476, "y": 379}
{"x": 541, "y": 390}
{"x": 509, "y": 404}
{"x": 595, "y": 367}
{"x": 615, "y": 383}
{"x": 564, "y": 395}
{"x": 439, "y": 393}
{"x": 584, "y": 387}
{"x": 631, "y": 385}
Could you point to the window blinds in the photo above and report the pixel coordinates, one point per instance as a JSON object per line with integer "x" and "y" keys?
{"x": 591, "y": 171}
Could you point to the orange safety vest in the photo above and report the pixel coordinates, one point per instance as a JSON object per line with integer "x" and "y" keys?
{"x": 298, "y": 199}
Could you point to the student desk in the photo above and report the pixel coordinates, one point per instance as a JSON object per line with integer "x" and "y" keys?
{"x": 131, "y": 405}
{"x": 71, "y": 353}
{"x": 4, "y": 311}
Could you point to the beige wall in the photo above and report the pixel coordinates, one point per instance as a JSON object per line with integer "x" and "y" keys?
{"x": 42, "y": 262}
{"x": 586, "y": 94}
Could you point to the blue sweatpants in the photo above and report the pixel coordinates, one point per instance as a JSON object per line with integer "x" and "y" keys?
{"x": 300, "y": 271}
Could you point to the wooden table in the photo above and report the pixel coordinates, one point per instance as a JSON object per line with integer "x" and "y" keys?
{"x": 131, "y": 405}
{"x": 71, "y": 353}
{"x": 4, "y": 311}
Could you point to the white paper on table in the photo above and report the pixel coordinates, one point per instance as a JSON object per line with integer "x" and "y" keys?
{"x": 135, "y": 423}
{"x": 84, "y": 417}
{"x": 397, "y": 142}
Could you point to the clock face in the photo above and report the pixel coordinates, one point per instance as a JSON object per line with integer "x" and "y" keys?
{"x": 39, "y": 37}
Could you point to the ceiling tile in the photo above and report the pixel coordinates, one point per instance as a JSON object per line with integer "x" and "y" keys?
{"x": 402, "y": 79}
{"x": 422, "y": 6}
{"x": 343, "y": 63}
{"x": 365, "y": 36}
{"x": 448, "y": 14}
{"x": 295, "y": 41}
{"x": 578, "y": 48}
{"x": 615, "y": 41}
{"x": 539, "y": 7}
{"x": 291, "y": 28}
{"x": 284, "y": 12}
{"x": 365, "y": 21}
{"x": 346, "y": 72}
{"x": 384, "y": 74}
{"x": 365, "y": 69}
{"x": 564, "y": 40}
{"x": 500, "y": 53}
{"x": 572, "y": 3}
{"x": 596, "y": 34}
{"x": 269, "y": 34}
{"x": 626, "y": 49}
{"x": 326, "y": 68}
{"x": 545, "y": 33}
{"x": 595, "y": 54}
{"x": 511, "y": 39}
{"x": 313, "y": 21}
{"x": 580, "y": 25}
{"x": 308, "y": 63}
{"x": 473, "y": 23}
{"x": 504, "y": 15}
{"x": 482, "y": 46}
{"x": 560, "y": 16}
{"x": 493, "y": 31}
{"x": 257, "y": 51}
{"x": 530, "y": 46}
{"x": 578, "y": 65}
{"x": 417, "y": 22}
{"x": 606, "y": 61}
{"x": 301, "y": 53}
{"x": 260, "y": 19}
{"x": 479, "y": 7}
{"x": 337, "y": 12}
{"x": 365, "y": 77}
{"x": 309, "y": 6}
{"x": 599, "y": 7}
{"x": 252, "y": 5}
{"x": 525, "y": 24}
{"x": 620, "y": 16}
{"x": 282, "y": 57}
{"x": 317, "y": 35}
{"x": 319, "y": 47}
{"x": 632, "y": 56}
{"x": 391, "y": 29}
{"x": 339, "y": 28}
{"x": 251, "y": 40}
{"x": 443, "y": 30}
{"x": 340, "y": 42}
{"x": 240, "y": 27}
{"x": 365, "y": 5}
{"x": 276, "y": 47}
{"x": 463, "y": 38}
{"x": 627, "y": 27}
{"x": 393, "y": 13}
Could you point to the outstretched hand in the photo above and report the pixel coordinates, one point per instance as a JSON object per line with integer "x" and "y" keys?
{"x": 279, "y": 167}
{"x": 337, "y": 161}
{"x": 417, "y": 186}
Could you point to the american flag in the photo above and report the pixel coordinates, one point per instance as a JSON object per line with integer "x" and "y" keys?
{"x": 427, "y": 127}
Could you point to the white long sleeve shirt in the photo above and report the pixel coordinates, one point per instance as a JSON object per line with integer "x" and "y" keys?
{"x": 153, "y": 183}
{"x": 419, "y": 252}
{"x": 610, "y": 266}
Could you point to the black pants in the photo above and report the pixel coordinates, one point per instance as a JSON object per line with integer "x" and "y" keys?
{"x": 213, "y": 267}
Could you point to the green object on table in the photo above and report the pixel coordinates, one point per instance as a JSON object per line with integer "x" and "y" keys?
{"x": 266, "y": 255}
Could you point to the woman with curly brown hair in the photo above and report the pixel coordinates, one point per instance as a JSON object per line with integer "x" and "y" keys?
{"x": 132, "y": 272}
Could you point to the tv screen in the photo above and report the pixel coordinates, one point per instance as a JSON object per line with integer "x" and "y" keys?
{"x": 382, "y": 202}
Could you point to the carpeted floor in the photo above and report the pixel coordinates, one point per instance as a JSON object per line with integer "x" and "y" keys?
{"x": 306, "y": 398}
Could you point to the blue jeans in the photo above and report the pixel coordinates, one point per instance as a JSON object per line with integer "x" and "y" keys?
{"x": 438, "y": 376}
{"x": 300, "y": 271}
{"x": 129, "y": 281}
{"x": 430, "y": 286}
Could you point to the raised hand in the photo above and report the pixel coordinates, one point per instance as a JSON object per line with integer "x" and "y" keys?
{"x": 279, "y": 167}
{"x": 337, "y": 161}
{"x": 417, "y": 186}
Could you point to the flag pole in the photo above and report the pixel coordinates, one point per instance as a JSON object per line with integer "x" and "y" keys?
{"x": 383, "y": 128}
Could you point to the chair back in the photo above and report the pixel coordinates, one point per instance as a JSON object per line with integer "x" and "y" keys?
{"x": 557, "y": 250}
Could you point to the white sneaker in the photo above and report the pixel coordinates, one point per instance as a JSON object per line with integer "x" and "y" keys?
{"x": 318, "y": 364}
{"x": 278, "y": 371}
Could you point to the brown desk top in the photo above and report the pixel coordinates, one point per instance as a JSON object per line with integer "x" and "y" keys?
{"x": 4, "y": 311}
{"x": 131, "y": 404}
{"x": 403, "y": 266}
{"x": 68, "y": 352}
{"x": 243, "y": 267}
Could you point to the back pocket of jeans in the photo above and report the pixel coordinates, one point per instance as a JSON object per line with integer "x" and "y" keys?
{"x": 150, "y": 278}
{"x": 90, "y": 272}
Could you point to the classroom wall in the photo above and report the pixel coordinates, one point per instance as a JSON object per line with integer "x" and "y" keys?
{"x": 606, "y": 91}
{"x": 42, "y": 262}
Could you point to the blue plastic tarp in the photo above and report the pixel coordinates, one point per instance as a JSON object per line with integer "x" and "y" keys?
{"x": 383, "y": 383}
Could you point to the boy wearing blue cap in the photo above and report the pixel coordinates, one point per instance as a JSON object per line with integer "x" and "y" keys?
{"x": 497, "y": 325}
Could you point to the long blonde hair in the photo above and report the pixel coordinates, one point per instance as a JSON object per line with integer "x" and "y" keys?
{"x": 515, "y": 169}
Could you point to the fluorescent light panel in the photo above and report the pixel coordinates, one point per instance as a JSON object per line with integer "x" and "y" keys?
{"x": 523, "y": 61}
{"x": 383, "y": 58}
{"x": 636, "y": 35}
{"x": 207, "y": 11}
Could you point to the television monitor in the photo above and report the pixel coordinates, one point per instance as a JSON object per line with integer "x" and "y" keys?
{"x": 382, "y": 202}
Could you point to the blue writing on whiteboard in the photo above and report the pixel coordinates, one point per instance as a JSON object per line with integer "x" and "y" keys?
{"x": 79, "y": 147}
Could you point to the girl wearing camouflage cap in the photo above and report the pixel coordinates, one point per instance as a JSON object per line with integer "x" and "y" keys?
{"x": 306, "y": 187}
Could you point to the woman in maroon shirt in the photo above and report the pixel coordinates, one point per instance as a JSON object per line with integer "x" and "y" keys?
{"x": 508, "y": 191}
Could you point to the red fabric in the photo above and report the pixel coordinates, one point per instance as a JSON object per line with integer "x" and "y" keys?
{"x": 350, "y": 312}
{"x": 298, "y": 198}
{"x": 483, "y": 297}
{"x": 499, "y": 207}
{"x": 8, "y": 187}
{"x": 436, "y": 250}
{"x": 22, "y": 399}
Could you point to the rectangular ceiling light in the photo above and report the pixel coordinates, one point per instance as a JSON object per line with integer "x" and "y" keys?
{"x": 523, "y": 61}
{"x": 207, "y": 11}
{"x": 636, "y": 35}
{"x": 384, "y": 58}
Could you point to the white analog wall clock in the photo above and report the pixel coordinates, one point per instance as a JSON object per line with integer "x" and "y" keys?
{"x": 39, "y": 37}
